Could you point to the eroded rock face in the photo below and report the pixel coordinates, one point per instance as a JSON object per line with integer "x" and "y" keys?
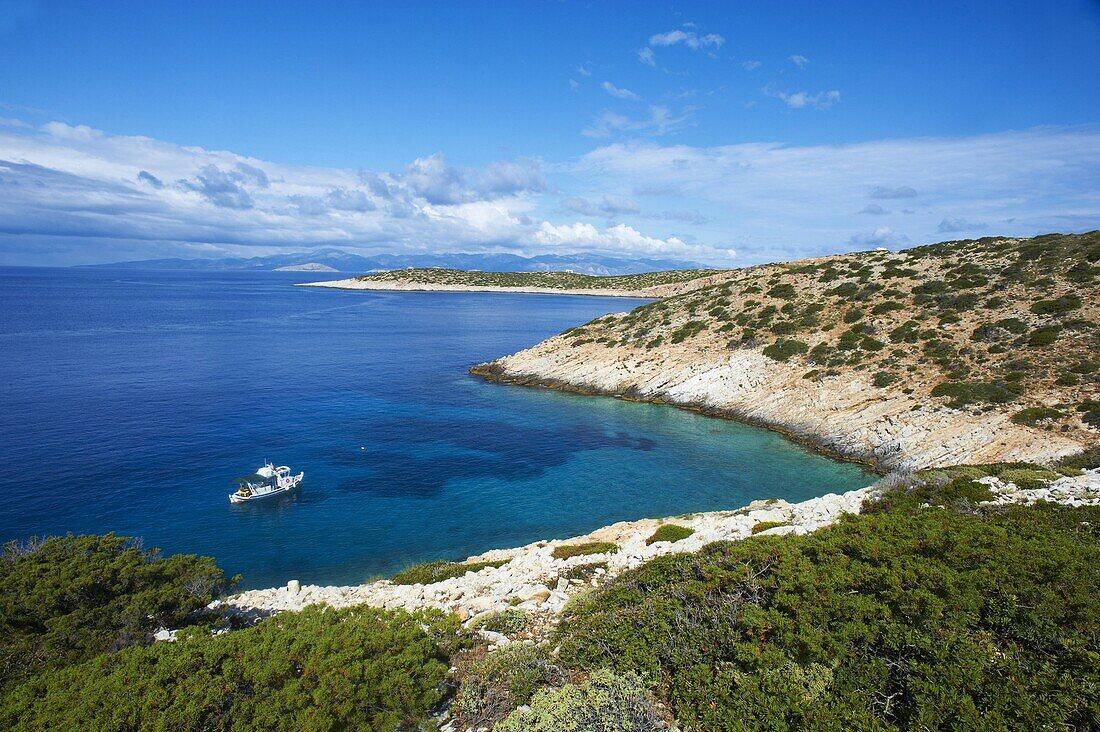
{"x": 844, "y": 415}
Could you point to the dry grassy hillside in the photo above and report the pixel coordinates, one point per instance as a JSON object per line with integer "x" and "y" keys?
{"x": 987, "y": 324}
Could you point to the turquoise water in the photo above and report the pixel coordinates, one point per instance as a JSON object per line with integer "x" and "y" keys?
{"x": 131, "y": 399}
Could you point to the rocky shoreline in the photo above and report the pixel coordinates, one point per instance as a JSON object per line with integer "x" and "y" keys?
{"x": 533, "y": 580}
{"x": 842, "y": 416}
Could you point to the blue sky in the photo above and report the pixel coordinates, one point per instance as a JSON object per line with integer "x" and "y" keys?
{"x": 719, "y": 132}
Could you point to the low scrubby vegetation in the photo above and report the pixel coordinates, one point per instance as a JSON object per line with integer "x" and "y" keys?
{"x": 66, "y": 599}
{"x": 319, "y": 669}
{"x": 565, "y": 551}
{"x": 430, "y": 572}
{"x": 670, "y": 532}
{"x": 78, "y": 615}
{"x": 907, "y": 617}
{"x": 553, "y": 280}
{"x": 980, "y": 325}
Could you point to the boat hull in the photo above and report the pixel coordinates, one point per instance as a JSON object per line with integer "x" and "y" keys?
{"x": 293, "y": 482}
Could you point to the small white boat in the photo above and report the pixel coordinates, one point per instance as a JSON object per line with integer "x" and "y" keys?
{"x": 266, "y": 482}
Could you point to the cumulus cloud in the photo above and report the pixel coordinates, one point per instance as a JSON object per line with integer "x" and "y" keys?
{"x": 146, "y": 177}
{"x": 432, "y": 179}
{"x": 782, "y": 201}
{"x": 645, "y": 55}
{"x": 222, "y": 188}
{"x": 883, "y": 236}
{"x": 953, "y": 225}
{"x": 688, "y": 38}
{"x": 874, "y": 210}
{"x": 799, "y": 61}
{"x": 802, "y": 100}
{"x": 345, "y": 199}
{"x": 619, "y": 238}
{"x": 80, "y": 190}
{"x": 898, "y": 192}
{"x": 609, "y": 206}
{"x": 619, "y": 93}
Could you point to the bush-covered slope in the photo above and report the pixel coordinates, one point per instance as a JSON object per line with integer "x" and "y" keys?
{"x": 66, "y": 599}
{"x": 319, "y": 669}
{"x": 910, "y": 618}
{"x": 988, "y": 324}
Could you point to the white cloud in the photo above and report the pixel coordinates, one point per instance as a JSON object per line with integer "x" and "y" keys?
{"x": 574, "y": 85}
{"x": 781, "y": 201}
{"x": 750, "y": 65}
{"x": 583, "y": 71}
{"x": 608, "y": 207}
{"x": 898, "y": 192}
{"x": 619, "y": 93}
{"x": 953, "y": 225}
{"x": 645, "y": 55}
{"x": 81, "y": 133}
{"x": 801, "y": 99}
{"x": 619, "y": 238}
{"x": 661, "y": 121}
{"x": 883, "y": 236}
{"x": 96, "y": 196}
{"x": 799, "y": 61}
{"x": 874, "y": 209}
{"x": 688, "y": 38}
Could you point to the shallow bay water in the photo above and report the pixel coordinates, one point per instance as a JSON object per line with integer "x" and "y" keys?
{"x": 130, "y": 399}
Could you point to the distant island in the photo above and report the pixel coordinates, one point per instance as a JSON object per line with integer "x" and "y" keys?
{"x": 433, "y": 279}
{"x": 338, "y": 260}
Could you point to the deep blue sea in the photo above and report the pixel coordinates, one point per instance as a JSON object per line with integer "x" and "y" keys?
{"x": 130, "y": 399}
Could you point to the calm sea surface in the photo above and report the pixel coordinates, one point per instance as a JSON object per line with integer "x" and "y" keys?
{"x": 129, "y": 401}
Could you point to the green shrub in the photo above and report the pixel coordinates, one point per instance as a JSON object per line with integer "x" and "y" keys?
{"x": 670, "y": 532}
{"x": 687, "y": 330}
{"x": 784, "y": 292}
{"x": 853, "y": 315}
{"x": 964, "y": 393}
{"x": 785, "y": 350}
{"x": 847, "y": 289}
{"x": 509, "y": 622}
{"x": 504, "y": 679}
{"x": 974, "y": 619}
{"x": 1034, "y": 415}
{"x": 431, "y": 572}
{"x": 1085, "y": 460}
{"x": 321, "y": 669}
{"x": 66, "y": 599}
{"x": 583, "y": 572}
{"x": 1057, "y": 306}
{"x": 1044, "y": 336}
{"x": 565, "y": 551}
{"x": 765, "y": 525}
{"x": 605, "y": 702}
{"x": 883, "y": 379}
{"x": 1028, "y": 478}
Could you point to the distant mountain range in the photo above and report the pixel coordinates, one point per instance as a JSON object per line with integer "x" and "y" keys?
{"x": 336, "y": 260}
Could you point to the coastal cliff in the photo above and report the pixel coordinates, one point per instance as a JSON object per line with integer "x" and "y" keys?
{"x": 963, "y": 352}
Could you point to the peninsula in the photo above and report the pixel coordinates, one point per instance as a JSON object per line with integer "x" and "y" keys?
{"x": 972, "y": 351}
{"x": 431, "y": 279}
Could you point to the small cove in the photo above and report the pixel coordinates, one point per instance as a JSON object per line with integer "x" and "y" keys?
{"x": 132, "y": 398}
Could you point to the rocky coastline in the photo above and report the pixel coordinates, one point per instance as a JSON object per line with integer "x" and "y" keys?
{"x": 532, "y": 579}
{"x": 842, "y": 416}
